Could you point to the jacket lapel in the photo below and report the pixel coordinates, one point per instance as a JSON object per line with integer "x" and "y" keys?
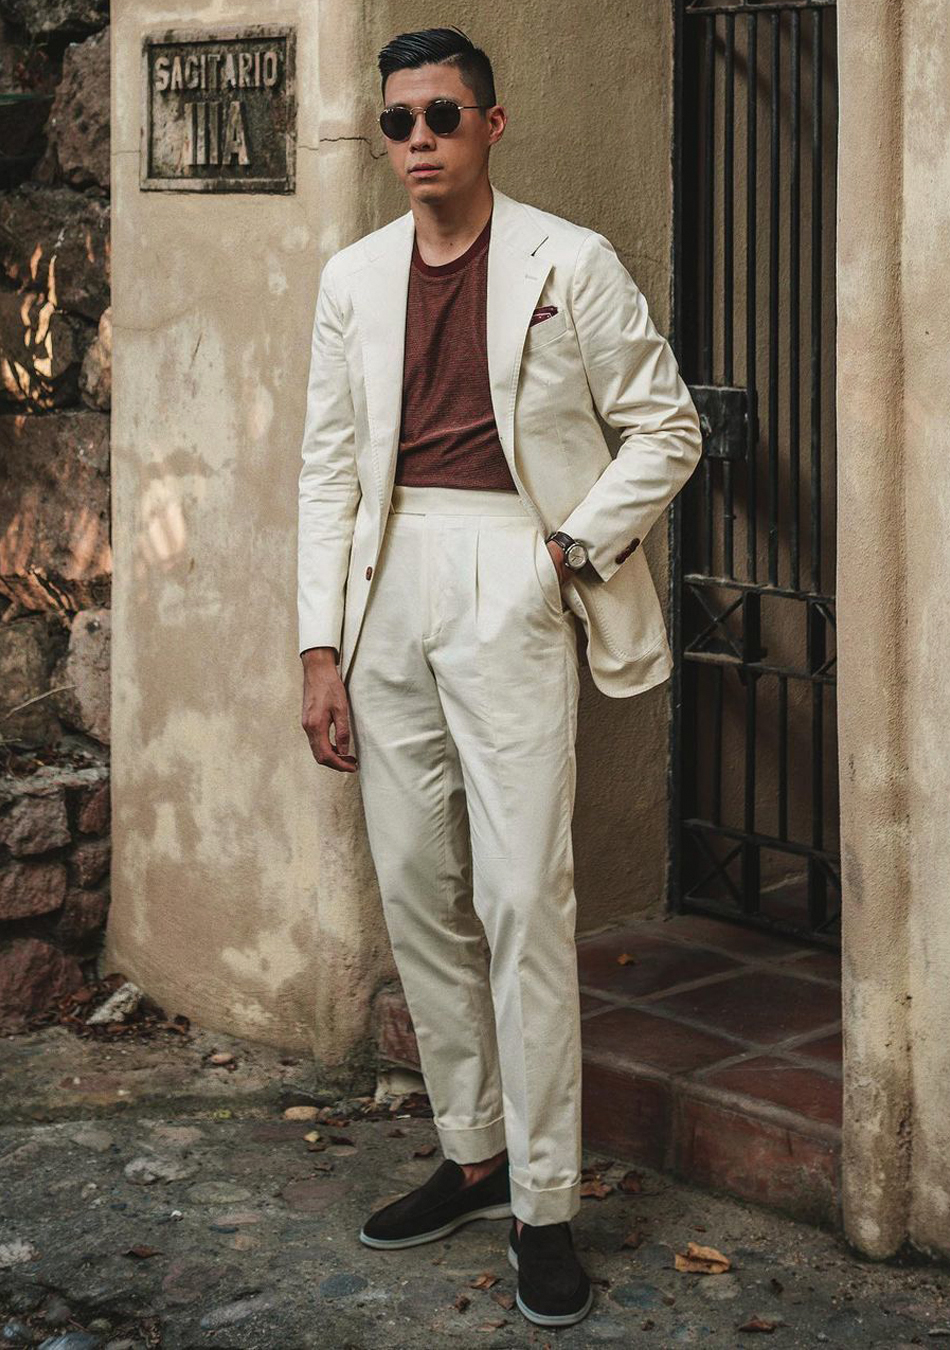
{"x": 380, "y": 292}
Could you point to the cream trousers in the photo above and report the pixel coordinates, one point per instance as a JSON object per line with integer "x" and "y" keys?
{"x": 463, "y": 705}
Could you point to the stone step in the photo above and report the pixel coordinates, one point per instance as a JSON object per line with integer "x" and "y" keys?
{"x": 711, "y": 1051}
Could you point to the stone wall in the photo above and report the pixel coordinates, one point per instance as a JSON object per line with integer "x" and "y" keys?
{"x": 55, "y": 536}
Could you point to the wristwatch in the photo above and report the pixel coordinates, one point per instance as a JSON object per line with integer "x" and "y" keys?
{"x": 575, "y": 554}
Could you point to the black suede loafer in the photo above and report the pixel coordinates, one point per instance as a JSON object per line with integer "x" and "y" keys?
{"x": 439, "y": 1206}
{"x": 553, "y": 1288}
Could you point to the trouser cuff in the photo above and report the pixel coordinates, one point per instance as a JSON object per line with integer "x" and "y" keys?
{"x": 473, "y": 1143}
{"x": 551, "y": 1205}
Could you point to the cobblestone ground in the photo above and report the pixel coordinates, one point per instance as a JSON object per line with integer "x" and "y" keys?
{"x": 198, "y": 1215}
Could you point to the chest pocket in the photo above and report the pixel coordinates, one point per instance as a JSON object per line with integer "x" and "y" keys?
{"x": 540, "y": 334}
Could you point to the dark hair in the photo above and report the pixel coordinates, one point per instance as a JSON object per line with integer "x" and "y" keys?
{"x": 440, "y": 46}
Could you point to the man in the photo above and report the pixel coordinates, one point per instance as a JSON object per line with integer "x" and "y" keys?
{"x": 459, "y": 510}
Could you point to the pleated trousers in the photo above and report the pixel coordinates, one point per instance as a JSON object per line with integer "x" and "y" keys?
{"x": 463, "y": 690}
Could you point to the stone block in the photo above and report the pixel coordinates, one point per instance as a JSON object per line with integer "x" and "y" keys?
{"x": 36, "y": 823}
{"x": 56, "y": 241}
{"x": 27, "y": 652}
{"x": 83, "y": 675}
{"x": 28, "y": 889}
{"x": 83, "y": 914}
{"x": 77, "y": 133}
{"x": 40, "y": 354}
{"x": 89, "y": 861}
{"x": 33, "y": 974}
{"x": 55, "y": 553}
{"x": 95, "y": 378}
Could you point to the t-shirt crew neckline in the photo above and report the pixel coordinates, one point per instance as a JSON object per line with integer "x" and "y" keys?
{"x": 476, "y": 247}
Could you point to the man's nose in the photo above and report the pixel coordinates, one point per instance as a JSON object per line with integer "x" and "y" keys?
{"x": 422, "y": 135}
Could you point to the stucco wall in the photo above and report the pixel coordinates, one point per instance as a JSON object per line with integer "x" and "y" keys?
{"x": 894, "y": 634}
{"x": 244, "y": 894}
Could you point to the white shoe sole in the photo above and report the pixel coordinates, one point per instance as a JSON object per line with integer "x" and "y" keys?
{"x": 549, "y": 1319}
{"x": 487, "y": 1212}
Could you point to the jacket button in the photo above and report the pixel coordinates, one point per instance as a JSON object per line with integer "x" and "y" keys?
{"x": 369, "y": 573}
{"x": 633, "y": 543}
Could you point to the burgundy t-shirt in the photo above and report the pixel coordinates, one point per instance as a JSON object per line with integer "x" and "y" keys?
{"x": 447, "y": 434}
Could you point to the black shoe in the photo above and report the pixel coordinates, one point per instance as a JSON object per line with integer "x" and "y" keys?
{"x": 553, "y": 1288}
{"x": 439, "y": 1206}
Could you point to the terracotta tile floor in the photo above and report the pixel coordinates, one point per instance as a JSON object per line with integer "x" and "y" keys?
{"x": 742, "y": 1033}
{"x": 712, "y": 1051}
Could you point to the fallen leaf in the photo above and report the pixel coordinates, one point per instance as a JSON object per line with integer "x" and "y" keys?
{"x": 595, "y": 1187}
{"x": 506, "y": 1301}
{"x": 462, "y": 1301}
{"x": 632, "y": 1183}
{"x": 484, "y": 1281}
{"x": 341, "y": 1139}
{"x": 698, "y": 1260}
{"x": 142, "y": 1252}
{"x": 221, "y": 1057}
{"x": 758, "y": 1324}
{"x": 493, "y": 1326}
{"x": 397, "y": 1132}
{"x": 426, "y": 1151}
{"x": 633, "y": 1239}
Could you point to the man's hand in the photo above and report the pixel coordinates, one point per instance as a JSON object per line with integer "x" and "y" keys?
{"x": 325, "y": 704}
{"x": 557, "y": 553}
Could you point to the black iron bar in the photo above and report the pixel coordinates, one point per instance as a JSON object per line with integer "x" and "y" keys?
{"x": 757, "y": 667}
{"x": 751, "y": 329}
{"x": 728, "y": 278}
{"x": 709, "y": 266}
{"x": 717, "y": 744}
{"x": 794, "y": 288}
{"x": 783, "y": 756}
{"x": 721, "y": 909}
{"x": 816, "y": 288}
{"x": 751, "y": 652}
{"x": 774, "y": 282}
{"x": 767, "y": 841}
{"x": 817, "y": 632}
{"x": 693, "y": 11}
{"x": 735, "y": 584}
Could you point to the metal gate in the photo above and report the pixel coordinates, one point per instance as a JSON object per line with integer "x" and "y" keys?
{"x": 753, "y": 755}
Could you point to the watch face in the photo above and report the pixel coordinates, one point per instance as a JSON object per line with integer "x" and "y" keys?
{"x": 576, "y": 556}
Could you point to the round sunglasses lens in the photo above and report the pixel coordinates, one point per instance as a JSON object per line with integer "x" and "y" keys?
{"x": 443, "y": 116}
{"x": 396, "y": 123}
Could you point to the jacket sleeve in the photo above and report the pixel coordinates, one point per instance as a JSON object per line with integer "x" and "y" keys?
{"x": 329, "y": 490}
{"x": 636, "y": 385}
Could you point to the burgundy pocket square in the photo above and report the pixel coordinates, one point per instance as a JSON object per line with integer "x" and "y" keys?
{"x": 541, "y": 313}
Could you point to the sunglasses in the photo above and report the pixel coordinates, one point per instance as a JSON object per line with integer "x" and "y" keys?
{"x": 442, "y": 116}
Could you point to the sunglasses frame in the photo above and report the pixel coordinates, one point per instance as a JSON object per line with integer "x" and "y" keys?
{"x": 392, "y": 107}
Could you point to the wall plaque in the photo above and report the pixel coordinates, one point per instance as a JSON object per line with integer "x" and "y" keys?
{"x": 219, "y": 110}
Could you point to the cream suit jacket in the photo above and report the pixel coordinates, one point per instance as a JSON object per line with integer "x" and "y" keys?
{"x": 600, "y": 353}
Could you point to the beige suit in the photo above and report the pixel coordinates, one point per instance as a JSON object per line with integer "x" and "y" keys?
{"x": 463, "y": 685}
{"x": 599, "y": 353}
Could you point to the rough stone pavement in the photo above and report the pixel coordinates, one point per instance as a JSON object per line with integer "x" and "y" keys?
{"x": 151, "y": 1198}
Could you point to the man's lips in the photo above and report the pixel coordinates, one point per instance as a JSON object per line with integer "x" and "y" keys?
{"x": 425, "y": 168}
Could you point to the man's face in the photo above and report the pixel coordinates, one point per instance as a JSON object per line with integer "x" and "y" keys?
{"x": 460, "y": 157}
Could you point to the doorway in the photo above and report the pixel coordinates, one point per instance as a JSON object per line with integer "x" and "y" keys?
{"x": 753, "y": 792}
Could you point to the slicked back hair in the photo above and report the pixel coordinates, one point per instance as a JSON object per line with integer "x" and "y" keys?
{"x": 440, "y": 46}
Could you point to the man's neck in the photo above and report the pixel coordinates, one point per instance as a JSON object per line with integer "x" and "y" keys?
{"x": 445, "y": 230}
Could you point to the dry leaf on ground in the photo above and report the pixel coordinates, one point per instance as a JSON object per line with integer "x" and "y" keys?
{"x": 699, "y": 1260}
